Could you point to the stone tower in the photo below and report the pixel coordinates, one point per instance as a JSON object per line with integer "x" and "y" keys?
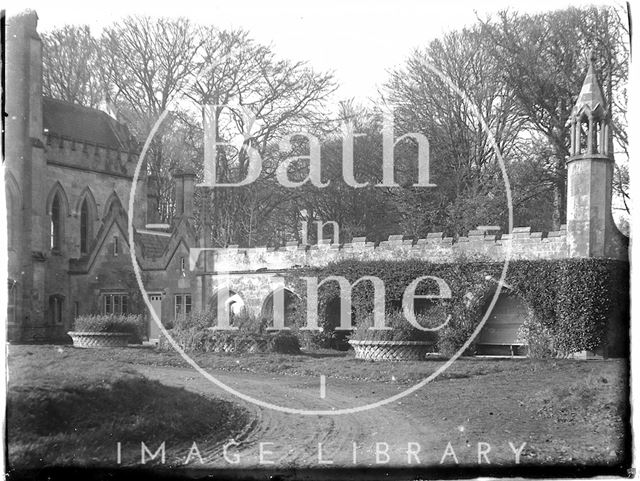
{"x": 25, "y": 167}
{"x": 591, "y": 231}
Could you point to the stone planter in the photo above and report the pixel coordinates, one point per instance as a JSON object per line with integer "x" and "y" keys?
{"x": 391, "y": 350}
{"x": 99, "y": 339}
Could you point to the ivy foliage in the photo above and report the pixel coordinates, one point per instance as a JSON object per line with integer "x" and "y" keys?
{"x": 570, "y": 300}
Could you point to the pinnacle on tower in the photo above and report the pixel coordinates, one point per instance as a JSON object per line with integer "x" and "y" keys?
{"x": 589, "y": 119}
{"x": 590, "y": 98}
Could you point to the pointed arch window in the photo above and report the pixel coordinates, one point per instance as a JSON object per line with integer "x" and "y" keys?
{"x": 56, "y": 223}
{"x": 85, "y": 227}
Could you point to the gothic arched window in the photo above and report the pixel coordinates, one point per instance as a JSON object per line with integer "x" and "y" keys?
{"x": 85, "y": 227}
{"x": 56, "y": 223}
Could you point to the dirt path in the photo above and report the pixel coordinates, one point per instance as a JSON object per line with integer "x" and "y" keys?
{"x": 295, "y": 438}
{"x": 488, "y": 414}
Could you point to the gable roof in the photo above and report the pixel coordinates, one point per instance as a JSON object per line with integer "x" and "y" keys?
{"x": 153, "y": 250}
{"x": 182, "y": 234}
{"x": 73, "y": 121}
{"x": 152, "y": 245}
{"x": 116, "y": 219}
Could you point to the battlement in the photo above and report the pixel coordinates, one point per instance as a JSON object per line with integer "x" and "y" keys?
{"x": 479, "y": 244}
{"x": 89, "y": 156}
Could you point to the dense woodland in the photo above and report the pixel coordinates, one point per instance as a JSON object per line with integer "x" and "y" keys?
{"x": 522, "y": 74}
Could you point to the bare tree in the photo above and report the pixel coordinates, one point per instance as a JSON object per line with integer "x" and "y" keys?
{"x": 544, "y": 59}
{"x": 72, "y": 68}
{"x": 463, "y": 160}
{"x": 260, "y": 99}
{"x": 150, "y": 62}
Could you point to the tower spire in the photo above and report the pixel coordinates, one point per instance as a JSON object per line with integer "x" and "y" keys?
{"x": 589, "y": 118}
{"x": 590, "y": 99}
{"x": 591, "y": 231}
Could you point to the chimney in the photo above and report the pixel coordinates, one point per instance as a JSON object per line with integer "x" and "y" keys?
{"x": 185, "y": 182}
{"x": 152, "y": 200}
{"x": 24, "y": 74}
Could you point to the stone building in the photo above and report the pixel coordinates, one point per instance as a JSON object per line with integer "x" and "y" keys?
{"x": 68, "y": 177}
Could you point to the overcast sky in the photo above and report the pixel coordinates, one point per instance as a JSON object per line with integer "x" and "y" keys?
{"x": 358, "y": 40}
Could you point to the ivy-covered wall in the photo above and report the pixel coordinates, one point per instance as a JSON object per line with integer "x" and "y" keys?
{"x": 574, "y": 304}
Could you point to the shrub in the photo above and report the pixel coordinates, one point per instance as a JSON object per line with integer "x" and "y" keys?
{"x": 401, "y": 329}
{"x": 284, "y": 342}
{"x": 538, "y": 337}
{"x": 323, "y": 339}
{"x": 248, "y": 323}
{"x": 464, "y": 320}
{"x": 193, "y": 333}
{"x": 195, "y": 320}
{"x": 129, "y": 323}
{"x": 318, "y": 340}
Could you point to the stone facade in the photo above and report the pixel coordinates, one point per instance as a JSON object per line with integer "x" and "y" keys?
{"x": 68, "y": 178}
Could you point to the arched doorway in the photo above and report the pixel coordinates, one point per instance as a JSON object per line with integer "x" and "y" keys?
{"x": 499, "y": 336}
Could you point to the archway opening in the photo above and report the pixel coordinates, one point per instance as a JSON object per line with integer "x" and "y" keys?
{"x": 500, "y": 335}
{"x": 287, "y": 310}
{"x": 233, "y": 304}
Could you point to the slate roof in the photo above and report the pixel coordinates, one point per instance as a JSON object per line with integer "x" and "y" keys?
{"x": 152, "y": 245}
{"x": 72, "y": 121}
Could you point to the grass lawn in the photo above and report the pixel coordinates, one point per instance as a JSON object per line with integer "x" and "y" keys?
{"x": 64, "y": 408}
{"x": 343, "y": 365}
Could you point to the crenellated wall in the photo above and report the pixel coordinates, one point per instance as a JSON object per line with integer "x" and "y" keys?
{"x": 89, "y": 156}
{"x": 521, "y": 243}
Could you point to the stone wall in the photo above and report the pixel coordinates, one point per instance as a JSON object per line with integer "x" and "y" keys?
{"x": 89, "y": 156}
{"x": 521, "y": 243}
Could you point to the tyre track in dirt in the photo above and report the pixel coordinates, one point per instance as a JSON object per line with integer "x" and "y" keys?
{"x": 295, "y": 438}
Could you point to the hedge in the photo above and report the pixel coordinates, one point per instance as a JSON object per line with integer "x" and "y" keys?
{"x": 569, "y": 300}
{"x": 193, "y": 334}
{"x": 129, "y": 323}
{"x": 400, "y": 330}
